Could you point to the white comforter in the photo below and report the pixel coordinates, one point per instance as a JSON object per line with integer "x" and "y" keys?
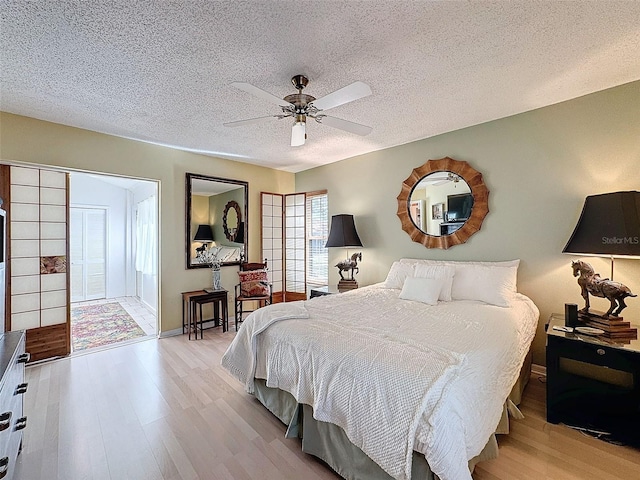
{"x": 396, "y": 375}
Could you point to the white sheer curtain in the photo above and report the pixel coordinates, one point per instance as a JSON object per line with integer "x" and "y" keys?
{"x": 146, "y": 237}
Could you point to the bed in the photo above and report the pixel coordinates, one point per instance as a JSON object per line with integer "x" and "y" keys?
{"x": 406, "y": 379}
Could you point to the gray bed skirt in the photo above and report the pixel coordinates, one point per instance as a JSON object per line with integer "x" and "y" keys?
{"x": 329, "y": 442}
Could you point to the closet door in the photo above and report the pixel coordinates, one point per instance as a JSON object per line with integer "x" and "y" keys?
{"x": 88, "y": 253}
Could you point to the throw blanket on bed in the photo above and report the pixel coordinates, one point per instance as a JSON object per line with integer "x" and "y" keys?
{"x": 350, "y": 377}
{"x": 240, "y": 358}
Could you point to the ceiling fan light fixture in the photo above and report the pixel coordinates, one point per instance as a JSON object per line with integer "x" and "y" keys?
{"x": 298, "y": 134}
{"x": 302, "y": 106}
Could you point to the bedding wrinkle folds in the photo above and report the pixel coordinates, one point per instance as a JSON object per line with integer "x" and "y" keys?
{"x": 395, "y": 375}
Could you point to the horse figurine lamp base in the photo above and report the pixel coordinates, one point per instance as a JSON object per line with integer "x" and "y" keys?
{"x": 348, "y": 265}
{"x": 591, "y": 283}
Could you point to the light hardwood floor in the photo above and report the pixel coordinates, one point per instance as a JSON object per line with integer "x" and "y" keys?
{"x": 165, "y": 409}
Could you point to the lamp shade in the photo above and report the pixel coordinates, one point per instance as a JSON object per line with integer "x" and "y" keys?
{"x": 343, "y": 232}
{"x": 609, "y": 225}
{"x": 239, "y": 233}
{"x": 204, "y": 234}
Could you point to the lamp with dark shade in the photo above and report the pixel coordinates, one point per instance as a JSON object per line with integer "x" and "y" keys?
{"x": 343, "y": 234}
{"x": 239, "y": 238}
{"x": 204, "y": 234}
{"x": 609, "y": 225}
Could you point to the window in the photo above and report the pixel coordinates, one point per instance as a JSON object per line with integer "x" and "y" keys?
{"x": 317, "y": 233}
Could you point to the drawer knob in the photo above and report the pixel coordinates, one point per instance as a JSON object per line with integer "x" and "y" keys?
{"x": 21, "y": 424}
{"x": 4, "y": 466}
{"x": 24, "y": 358}
{"x": 600, "y": 351}
{"x": 5, "y": 420}
{"x": 22, "y": 388}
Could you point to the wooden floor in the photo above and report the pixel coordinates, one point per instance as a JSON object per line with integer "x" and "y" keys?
{"x": 165, "y": 409}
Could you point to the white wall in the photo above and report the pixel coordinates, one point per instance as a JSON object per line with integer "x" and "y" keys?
{"x": 85, "y": 191}
{"x": 147, "y": 285}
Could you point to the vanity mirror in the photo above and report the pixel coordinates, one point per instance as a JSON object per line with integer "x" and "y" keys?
{"x": 222, "y": 205}
{"x": 442, "y": 203}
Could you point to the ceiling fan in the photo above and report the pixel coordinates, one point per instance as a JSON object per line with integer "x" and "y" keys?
{"x": 301, "y": 106}
{"x": 439, "y": 178}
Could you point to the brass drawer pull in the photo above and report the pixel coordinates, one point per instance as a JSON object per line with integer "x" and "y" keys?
{"x": 21, "y": 424}
{"x": 600, "y": 351}
{"x": 4, "y": 466}
{"x": 24, "y": 358}
{"x": 5, "y": 420}
{"x": 22, "y": 388}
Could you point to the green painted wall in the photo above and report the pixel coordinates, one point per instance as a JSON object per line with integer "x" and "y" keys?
{"x": 539, "y": 166}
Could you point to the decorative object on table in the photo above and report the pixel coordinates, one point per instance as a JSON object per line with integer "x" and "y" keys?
{"x": 609, "y": 226}
{"x": 589, "y": 331}
{"x": 343, "y": 234}
{"x": 211, "y": 257}
{"x": 591, "y": 283}
{"x": 571, "y": 315}
{"x": 612, "y": 325}
{"x": 204, "y": 234}
{"x": 349, "y": 265}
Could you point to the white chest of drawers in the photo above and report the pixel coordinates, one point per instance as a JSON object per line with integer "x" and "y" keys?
{"x": 12, "y": 389}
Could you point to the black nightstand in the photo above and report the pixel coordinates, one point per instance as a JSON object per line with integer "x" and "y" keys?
{"x": 593, "y": 383}
{"x": 321, "y": 291}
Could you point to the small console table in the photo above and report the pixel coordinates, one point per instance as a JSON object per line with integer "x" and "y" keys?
{"x": 192, "y": 304}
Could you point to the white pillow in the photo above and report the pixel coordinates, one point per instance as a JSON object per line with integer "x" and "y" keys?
{"x": 486, "y": 283}
{"x": 426, "y": 261}
{"x": 425, "y": 290}
{"x": 397, "y": 275}
{"x": 443, "y": 272}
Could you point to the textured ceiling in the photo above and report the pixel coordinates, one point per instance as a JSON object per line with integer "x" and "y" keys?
{"x": 161, "y": 71}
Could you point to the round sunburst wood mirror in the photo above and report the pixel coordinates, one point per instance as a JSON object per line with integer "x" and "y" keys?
{"x": 231, "y": 218}
{"x": 442, "y": 203}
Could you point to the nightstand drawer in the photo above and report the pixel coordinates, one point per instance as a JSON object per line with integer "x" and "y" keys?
{"x": 598, "y": 355}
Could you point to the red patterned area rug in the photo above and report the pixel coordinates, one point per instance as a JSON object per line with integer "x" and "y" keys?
{"x": 102, "y": 324}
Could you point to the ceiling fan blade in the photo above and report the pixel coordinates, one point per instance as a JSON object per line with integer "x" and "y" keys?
{"x": 298, "y": 134}
{"x": 345, "y": 95}
{"x": 258, "y": 92}
{"x": 344, "y": 125}
{"x": 249, "y": 121}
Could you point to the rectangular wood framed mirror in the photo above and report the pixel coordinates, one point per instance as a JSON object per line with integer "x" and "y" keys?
{"x": 216, "y": 213}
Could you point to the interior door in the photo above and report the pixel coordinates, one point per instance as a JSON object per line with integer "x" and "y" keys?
{"x": 88, "y": 241}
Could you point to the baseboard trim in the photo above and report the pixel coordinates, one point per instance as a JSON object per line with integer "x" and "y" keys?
{"x": 170, "y": 333}
{"x": 538, "y": 369}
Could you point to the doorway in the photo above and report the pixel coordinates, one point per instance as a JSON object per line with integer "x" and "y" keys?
{"x": 113, "y": 255}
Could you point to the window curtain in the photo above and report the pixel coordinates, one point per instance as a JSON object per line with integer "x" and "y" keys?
{"x": 146, "y": 236}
